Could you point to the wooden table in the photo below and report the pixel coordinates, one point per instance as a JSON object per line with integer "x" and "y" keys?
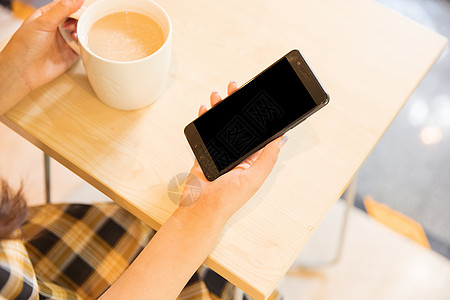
{"x": 369, "y": 59}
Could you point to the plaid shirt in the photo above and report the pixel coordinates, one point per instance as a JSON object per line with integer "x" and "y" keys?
{"x": 73, "y": 251}
{"x": 17, "y": 277}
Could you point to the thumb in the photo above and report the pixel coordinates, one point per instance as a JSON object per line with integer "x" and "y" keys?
{"x": 265, "y": 162}
{"x": 54, "y": 13}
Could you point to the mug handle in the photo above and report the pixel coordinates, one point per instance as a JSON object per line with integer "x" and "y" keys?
{"x": 66, "y": 35}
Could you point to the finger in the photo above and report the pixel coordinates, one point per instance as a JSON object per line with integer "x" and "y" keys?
{"x": 248, "y": 162}
{"x": 70, "y": 25}
{"x": 265, "y": 162}
{"x": 69, "y": 55}
{"x": 254, "y": 156}
{"x": 215, "y": 98}
{"x": 55, "y": 12}
{"x": 202, "y": 110}
{"x": 243, "y": 165}
{"x": 232, "y": 87}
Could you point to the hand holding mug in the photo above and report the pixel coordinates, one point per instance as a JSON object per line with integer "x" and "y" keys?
{"x": 36, "y": 53}
{"x": 120, "y": 75}
{"x": 37, "y": 49}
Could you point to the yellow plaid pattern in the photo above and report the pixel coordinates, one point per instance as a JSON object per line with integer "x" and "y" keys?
{"x": 17, "y": 278}
{"x": 83, "y": 248}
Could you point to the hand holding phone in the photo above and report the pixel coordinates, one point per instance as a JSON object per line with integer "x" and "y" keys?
{"x": 228, "y": 193}
{"x": 276, "y": 100}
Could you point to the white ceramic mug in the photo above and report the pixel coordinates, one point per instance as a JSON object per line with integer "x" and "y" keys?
{"x": 125, "y": 85}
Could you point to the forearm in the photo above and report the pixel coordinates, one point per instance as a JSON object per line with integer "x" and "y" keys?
{"x": 165, "y": 265}
{"x": 12, "y": 86}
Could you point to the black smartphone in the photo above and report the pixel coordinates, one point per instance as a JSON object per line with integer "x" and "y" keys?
{"x": 276, "y": 100}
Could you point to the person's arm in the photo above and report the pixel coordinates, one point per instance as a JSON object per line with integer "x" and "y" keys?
{"x": 12, "y": 86}
{"x": 36, "y": 53}
{"x": 175, "y": 252}
{"x": 185, "y": 240}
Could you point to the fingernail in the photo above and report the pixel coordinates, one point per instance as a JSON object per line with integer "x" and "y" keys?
{"x": 214, "y": 92}
{"x": 284, "y": 140}
{"x": 233, "y": 81}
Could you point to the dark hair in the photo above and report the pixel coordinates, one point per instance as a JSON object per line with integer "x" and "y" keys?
{"x": 5, "y": 3}
{"x": 13, "y": 209}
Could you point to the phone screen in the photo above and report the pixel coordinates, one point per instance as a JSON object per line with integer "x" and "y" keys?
{"x": 253, "y": 114}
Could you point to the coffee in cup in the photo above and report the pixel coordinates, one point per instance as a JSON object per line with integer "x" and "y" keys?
{"x": 125, "y": 47}
{"x": 125, "y": 36}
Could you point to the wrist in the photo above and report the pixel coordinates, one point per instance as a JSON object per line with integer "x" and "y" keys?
{"x": 204, "y": 216}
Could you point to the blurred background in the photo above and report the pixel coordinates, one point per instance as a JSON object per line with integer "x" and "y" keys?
{"x": 409, "y": 169}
